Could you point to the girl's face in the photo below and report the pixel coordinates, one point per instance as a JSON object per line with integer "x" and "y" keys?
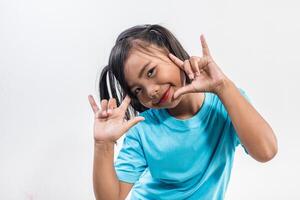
{"x": 151, "y": 75}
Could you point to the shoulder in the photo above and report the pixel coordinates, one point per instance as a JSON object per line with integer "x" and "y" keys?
{"x": 216, "y": 104}
{"x": 150, "y": 119}
{"x": 215, "y": 98}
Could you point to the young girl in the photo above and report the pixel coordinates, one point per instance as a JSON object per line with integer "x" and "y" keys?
{"x": 183, "y": 118}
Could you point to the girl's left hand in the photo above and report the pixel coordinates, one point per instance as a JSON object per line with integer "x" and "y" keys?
{"x": 205, "y": 74}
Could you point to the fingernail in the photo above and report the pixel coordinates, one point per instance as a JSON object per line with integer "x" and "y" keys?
{"x": 109, "y": 111}
{"x": 197, "y": 74}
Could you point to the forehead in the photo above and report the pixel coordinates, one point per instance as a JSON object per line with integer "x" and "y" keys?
{"x": 136, "y": 60}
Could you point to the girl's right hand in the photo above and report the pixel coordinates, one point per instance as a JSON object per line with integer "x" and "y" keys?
{"x": 109, "y": 121}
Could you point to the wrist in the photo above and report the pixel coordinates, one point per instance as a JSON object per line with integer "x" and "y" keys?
{"x": 225, "y": 85}
{"x": 101, "y": 147}
{"x": 101, "y": 142}
{"x": 104, "y": 143}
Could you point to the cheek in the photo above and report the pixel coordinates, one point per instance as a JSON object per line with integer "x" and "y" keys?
{"x": 171, "y": 74}
{"x": 145, "y": 103}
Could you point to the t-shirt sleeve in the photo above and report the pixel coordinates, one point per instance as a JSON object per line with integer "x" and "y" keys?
{"x": 236, "y": 138}
{"x": 130, "y": 162}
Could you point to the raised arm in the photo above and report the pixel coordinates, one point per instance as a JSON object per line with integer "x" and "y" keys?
{"x": 254, "y": 132}
{"x": 109, "y": 125}
{"x": 105, "y": 181}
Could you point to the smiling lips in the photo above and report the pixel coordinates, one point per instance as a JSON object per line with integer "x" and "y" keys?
{"x": 164, "y": 97}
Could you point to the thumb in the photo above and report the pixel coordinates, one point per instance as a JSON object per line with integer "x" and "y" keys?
{"x": 131, "y": 123}
{"x": 184, "y": 90}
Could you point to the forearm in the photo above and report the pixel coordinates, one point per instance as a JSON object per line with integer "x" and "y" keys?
{"x": 254, "y": 132}
{"x": 105, "y": 181}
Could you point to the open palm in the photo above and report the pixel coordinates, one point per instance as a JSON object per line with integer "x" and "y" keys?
{"x": 109, "y": 121}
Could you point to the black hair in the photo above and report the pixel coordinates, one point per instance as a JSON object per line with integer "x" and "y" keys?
{"x": 142, "y": 36}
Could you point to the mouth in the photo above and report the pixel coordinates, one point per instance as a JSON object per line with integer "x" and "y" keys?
{"x": 165, "y": 97}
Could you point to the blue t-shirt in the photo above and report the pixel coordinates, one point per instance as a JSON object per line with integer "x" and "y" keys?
{"x": 173, "y": 159}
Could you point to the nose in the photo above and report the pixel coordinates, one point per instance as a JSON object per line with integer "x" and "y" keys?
{"x": 152, "y": 91}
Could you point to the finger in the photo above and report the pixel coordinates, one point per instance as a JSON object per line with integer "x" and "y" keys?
{"x": 184, "y": 90}
{"x": 205, "y": 49}
{"x": 188, "y": 69}
{"x": 194, "y": 64}
{"x": 101, "y": 115}
{"x": 93, "y": 104}
{"x": 104, "y": 106}
{"x": 125, "y": 103}
{"x": 202, "y": 63}
{"x": 111, "y": 105}
{"x": 131, "y": 123}
{"x": 176, "y": 60}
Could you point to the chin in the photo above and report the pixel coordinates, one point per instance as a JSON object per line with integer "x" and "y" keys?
{"x": 168, "y": 105}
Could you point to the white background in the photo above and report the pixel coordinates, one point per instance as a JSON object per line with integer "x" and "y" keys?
{"x": 49, "y": 53}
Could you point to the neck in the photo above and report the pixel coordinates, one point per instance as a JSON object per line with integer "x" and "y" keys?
{"x": 188, "y": 106}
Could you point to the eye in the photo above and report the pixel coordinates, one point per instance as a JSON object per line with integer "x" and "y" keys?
{"x": 135, "y": 91}
{"x": 150, "y": 72}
